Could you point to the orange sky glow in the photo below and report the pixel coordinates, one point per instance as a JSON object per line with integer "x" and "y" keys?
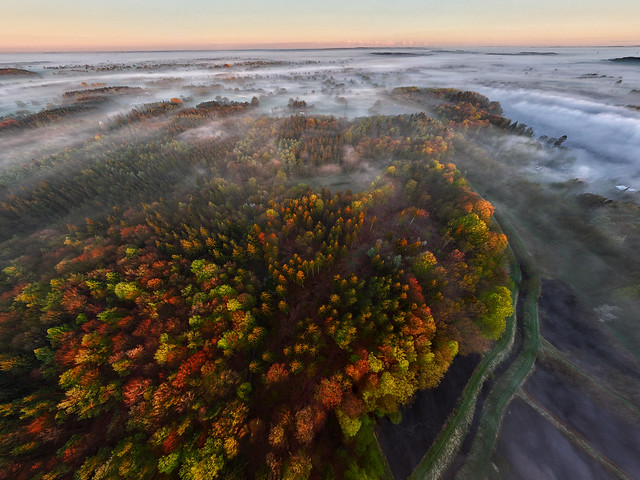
{"x": 70, "y": 25}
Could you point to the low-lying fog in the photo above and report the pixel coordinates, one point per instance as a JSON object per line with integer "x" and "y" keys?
{"x": 578, "y": 92}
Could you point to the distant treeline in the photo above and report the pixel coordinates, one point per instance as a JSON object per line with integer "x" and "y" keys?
{"x": 43, "y": 117}
{"x": 16, "y": 71}
{"x": 462, "y": 108}
{"x": 118, "y": 90}
{"x": 632, "y": 60}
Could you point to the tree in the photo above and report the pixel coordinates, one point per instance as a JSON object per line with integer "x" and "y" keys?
{"x": 499, "y": 306}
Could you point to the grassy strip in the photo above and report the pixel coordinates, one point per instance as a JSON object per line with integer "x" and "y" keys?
{"x": 443, "y": 450}
{"x": 377, "y": 460}
{"x": 479, "y": 458}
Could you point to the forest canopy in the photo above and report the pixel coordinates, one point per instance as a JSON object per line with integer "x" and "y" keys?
{"x": 221, "y": 314}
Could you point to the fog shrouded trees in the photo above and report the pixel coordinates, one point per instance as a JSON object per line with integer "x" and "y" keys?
{"x": 241, "y": 327}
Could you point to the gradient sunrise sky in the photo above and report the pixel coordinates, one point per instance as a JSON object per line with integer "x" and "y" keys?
{"x": 75, "y": 25}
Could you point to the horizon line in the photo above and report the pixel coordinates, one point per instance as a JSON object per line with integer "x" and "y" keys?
{"x": 303, "y": 48}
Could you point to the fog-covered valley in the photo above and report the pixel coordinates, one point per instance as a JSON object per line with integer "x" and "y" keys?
{"x": 577, "y": 92}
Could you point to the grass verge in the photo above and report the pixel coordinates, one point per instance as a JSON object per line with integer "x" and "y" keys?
{"x": 443, "y": 450}
{"x": 478, "y": 460}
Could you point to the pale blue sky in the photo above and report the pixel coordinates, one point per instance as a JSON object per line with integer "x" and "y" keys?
{"x": 162, "y": 24}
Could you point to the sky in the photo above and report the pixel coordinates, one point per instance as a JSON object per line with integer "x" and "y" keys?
{"x": 75, "y": 25}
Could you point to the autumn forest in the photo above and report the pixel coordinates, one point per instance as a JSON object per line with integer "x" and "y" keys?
{"x": 202, "y": 307}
